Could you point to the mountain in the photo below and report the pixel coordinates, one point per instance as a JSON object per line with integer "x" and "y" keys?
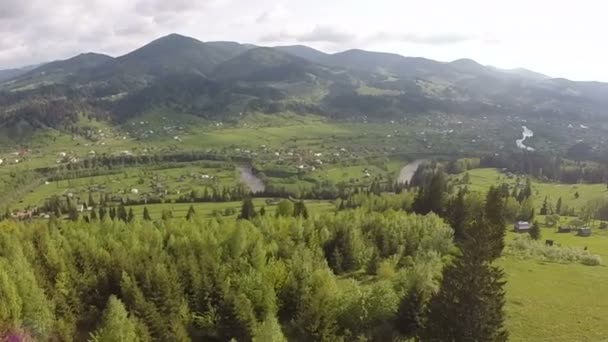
{"x": 304, "y": 52}
{"x": 8, "y": 74}
{"x": 169, "y": 55}
{"x": 263, "y": 64}
{"x": 224, "y": 80}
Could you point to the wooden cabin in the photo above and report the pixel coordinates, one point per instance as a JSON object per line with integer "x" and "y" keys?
{"x": 584, "y": 232}
{"x": 521, "y": 227}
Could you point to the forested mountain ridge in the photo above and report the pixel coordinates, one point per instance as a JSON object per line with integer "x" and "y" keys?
{"x": 224, "y": 80}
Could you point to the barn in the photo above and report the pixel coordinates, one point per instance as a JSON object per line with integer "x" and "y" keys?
{"x": 584, "y": 232}
{"x": 522, "y": 227}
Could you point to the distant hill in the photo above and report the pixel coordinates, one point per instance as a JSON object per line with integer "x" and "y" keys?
{"x": 263, "y": 64}
{"x": 303, "y": 52}
{"x": 169, "y": 55}
{"x": 8, "y": 74}
{"x": 225, "y": 80}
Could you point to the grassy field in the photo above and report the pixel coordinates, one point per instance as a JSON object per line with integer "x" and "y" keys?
{"x": 551, "y": 301}
{"x": 207, "y": 210}
{"x": 555, "y": 302}
{"x": 482, "y": 179}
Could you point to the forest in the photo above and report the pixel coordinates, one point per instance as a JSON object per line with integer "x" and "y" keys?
{"x": 376, "y": 269}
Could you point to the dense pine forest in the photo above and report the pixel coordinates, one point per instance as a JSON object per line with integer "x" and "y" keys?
{"x": 374, "y": 270}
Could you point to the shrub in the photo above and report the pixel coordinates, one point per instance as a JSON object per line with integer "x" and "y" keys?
{"x": 591, "y": 260}
{"x": 525, "y": 247}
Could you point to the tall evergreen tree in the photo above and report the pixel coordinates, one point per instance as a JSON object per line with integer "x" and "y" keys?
{"x": 147, "y": 214}
{"x": 300, "y": 209}
{"x": 122, "y": 213}
{"x": 116, "y": 325}
{"x": 130, "y": 215}
{"x": 543, "y": 209}
{"x": 494, "y": 214}
{"x": 535, "y": 232}
{"x": 191, "y": 213}
{"x": 558, "y": 206}
{"x": 410, "y": 315}
{"x": 458, "y": 215}
{"x": 262, "y": 211}
{"x": 247, "y": 209}
{"x": 470, "y": 301}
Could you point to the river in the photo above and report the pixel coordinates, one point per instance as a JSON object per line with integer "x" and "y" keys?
{"x": 254, "y": 183}
{"x": 406, "y": 173}
{"x": 527, "y": 133}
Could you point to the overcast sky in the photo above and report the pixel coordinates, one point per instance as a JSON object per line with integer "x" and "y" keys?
{"x": 561, "y": 38}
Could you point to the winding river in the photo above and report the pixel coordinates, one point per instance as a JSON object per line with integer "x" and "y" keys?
{"x": 406, "y": 173}
{"x": 248, "y": 178}
{"x": 527, "y": 133}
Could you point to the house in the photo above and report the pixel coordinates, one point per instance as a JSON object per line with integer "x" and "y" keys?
{"x": 522, "y": 227}
{"x": 584, "y": 232}
{"x": 564, "y": 229}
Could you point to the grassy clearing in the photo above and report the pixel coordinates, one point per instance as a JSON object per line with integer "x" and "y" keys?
{"x": 482, "y": 179}
{"x": 555, "y": 302}
{"x": 207, "y": 209}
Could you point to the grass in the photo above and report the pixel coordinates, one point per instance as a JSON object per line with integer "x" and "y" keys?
{"x": 555, "y": 302}
{"x": 206, "y": 210}
{"x": 482, "y": 179}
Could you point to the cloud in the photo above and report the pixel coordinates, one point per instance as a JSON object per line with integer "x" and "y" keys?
{"x": 423, "y": 39}
{"x": 13, "y": 9}
{"x": 276, "y": 13}
{"x": 320, "y": 34}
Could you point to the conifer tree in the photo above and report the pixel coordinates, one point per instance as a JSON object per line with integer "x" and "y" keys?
{"x": 410, "y": 315}
{"x": 535, "y": 232}
{"x": 457, "y": 215}
{"x": 543, "y": 209}
{"x": 122, "y": 213}
{"x": 116, "y": 325}
{"x": 130, "y": 215}
{"x": 558, "y": 206}
{"x": 299, "y": 209}
{"x": 470, "y": 301}
{"x": 247, "y": 209}
{"x": 262, "y": 211}
{"x": 191, "y": 213}
{"x": 147, "y": 214}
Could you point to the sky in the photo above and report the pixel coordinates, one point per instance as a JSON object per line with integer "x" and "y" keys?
{"x": 560, "y": 38}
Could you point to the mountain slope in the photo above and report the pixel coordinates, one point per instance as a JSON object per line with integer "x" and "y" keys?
{"x": 304, "y": 52}
{"x": 264, "y": 64}
{"x": 171, "y": 54}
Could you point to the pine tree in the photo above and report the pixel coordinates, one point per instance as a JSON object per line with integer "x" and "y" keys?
{"x": 130, "y": 215}
{"x": 116, "y": 325}
{"x": 147, "y": 214}
{"x": 409, "y": 319}
{"x": 543, "y": 209}
{"x": 535, "y": 232}
{"x": 558, "y": 206}
{"x": 102, "y": 213}
{"x": 122, "y": 213}
{"x": 457, "y": 215}
{"x": 300, "y": 209}
{"x": 73, "y": 213}
{"x": 262, "y": 211}
{"x": 247, "y": 209}
{"x": 112, "y": 213}
{"x": 93, "y": 215}
{"x": 494, "y": 214}
{"x": 470, "y": 301}
{"x": 191, "y": 213}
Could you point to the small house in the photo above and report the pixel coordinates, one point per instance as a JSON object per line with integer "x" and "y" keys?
{"x": 522, "y": 227}
{"x": 584, "y": 232}
{"x": 564, "y": 230}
